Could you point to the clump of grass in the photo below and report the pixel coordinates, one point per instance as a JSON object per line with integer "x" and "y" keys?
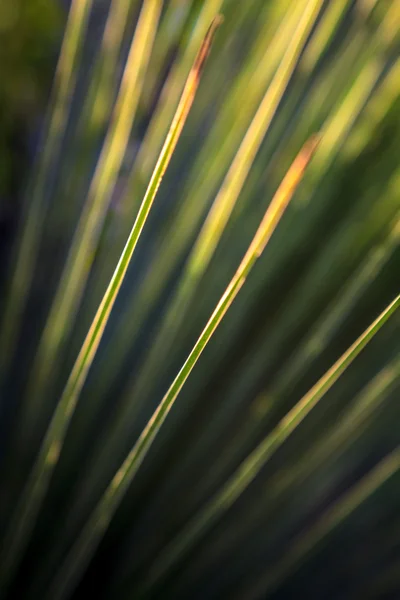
{"x": 197, "y": 454}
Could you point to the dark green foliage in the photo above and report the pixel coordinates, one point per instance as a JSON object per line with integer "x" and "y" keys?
{"x": 267, "y": 478}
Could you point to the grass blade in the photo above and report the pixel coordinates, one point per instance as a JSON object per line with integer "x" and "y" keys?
{"x": 359, "y": 417}
{"x": 76, "y": 271}
{"x": 251, "y": 466}
{"x": 96, "y": 110}
{"x": 29, "y": 239}
{"x": 151, "y": 144}
{"x": 100, "y": 518}
{"x": 223, "y": 205}
{"x": 288, "y": 372}
{"x": 25, "y": 515}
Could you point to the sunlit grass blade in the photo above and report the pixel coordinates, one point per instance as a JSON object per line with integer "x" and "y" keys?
{"x": 306, "y": 543}
{"x": 214, "y": 158}
{"x": 150, "y": 145}
{"x": 26, "y": 511}
{"x": 97, "y": 105}
{"x": 204, "y": 181}
{"x": 168, "y": 99}
{"x": 81, "y": 254}
{"x": 252, "y": 465}
{"x": 103, "y": 513}
{"x": 222, "y": 207}
{"x": 326, "y": 28}
{"x": 355, "y": 423}
{"x": 98, "y": 99}
{"x": 339, "y": 125}
{"x": 291, "y": 370}
{"x": 331, "y": 321}
{"x": 113, "y": 479}
{"x": 299, "y": 303}
{"x": 282, "y": 377}
{"x": 172, "y": 27}
{"x": 56, "y": 121}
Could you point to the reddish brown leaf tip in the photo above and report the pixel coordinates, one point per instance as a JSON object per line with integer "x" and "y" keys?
{"x": 206, "y": 45}
{"x": 311, "y": 145}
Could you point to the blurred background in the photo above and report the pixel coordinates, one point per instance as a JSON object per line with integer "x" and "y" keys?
{"x": 82, "y": 122}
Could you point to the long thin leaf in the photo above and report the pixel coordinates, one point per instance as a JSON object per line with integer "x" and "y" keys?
{"x": 96, "y": 109}
{"x": 29, "y": 238}
{"x": 103, "y": 513}
{"x": 223, "y": 205}
{"x": 150, "y": 145}
{"x": 31, "y": 499}
{"x": 76, "y": 271}
{"x": 206, "y": 243}
{"x": 252, "y": 465}
{"x": 203, "y": 182}
{"x": 356, "y": 420}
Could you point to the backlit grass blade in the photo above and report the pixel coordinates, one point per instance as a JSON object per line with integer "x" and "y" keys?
{"x": 214, "y": 158}
{"x": 81, "y": 254}
{"x": 169, "y": 34}
{"x": 29, "y": 239}
{"x": 199, "y": 187}
{"x": 169, "y": 97}
{"x": 351, "y": 426}
{"x": 301, "y": 300}
{"x": 31, "y": 499}
{"x": 256, "y": 420}
{"x": 150, "y": 145}
{"x": 252, "y": 465}
{"x": 97, "y": 524}
{"x": 305, "y": 544}
{"x": 223, "y": 205}
{"x": 356, "y": 421}
{"x": 256, "y": 362}
{"x": 339, "y": 124}
{"x": 97, "y": 105}
{"x": 98, "y": 99}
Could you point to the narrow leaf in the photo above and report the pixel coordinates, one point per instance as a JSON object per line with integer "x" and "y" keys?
{"x": 31, "y": 499}
{"x": 29, "y": 239}
{"x": 103, "y": 513}
{"x": 253, "y": 464}
{"x": 76, "y": 270}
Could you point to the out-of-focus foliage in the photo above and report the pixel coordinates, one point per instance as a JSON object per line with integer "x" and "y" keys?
{"x": 273, "y": 475}
{"x": 29, "y": 30}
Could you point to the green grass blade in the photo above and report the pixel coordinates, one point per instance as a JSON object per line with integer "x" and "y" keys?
{"x": 256, "y": 362}
{"x": 29, "y": 238}
{"x": 201, "y": 184}
{"x": 352, "y": 425}
{"x": 283, "y": 376}
{"x": 26, "y": 511}
{"x": 169, "y": 97}
{"x": 256, "y": 420}
{"x": 214, "y": 225}
{"x": 149, "y": 147}
{"x": 101, "y": 516}
{"x": 98, "y": 101}
{"x": 251, "y": 466}
{"x": 76, "y": 270}
{"x": 96, "y": 111}
{"x": 318, "y": 183}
